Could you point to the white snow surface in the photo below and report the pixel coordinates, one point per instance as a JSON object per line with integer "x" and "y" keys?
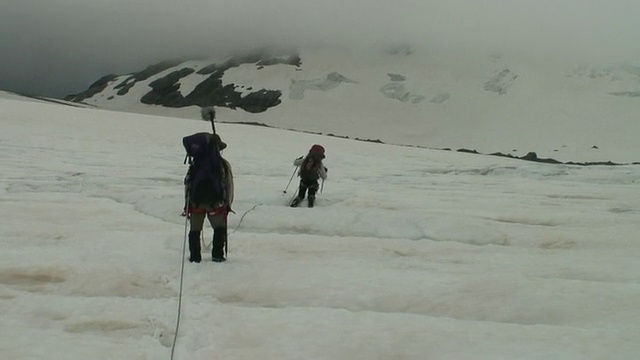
{"x": 410, "y": 253}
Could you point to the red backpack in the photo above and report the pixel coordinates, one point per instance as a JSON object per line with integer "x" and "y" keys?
{"x": 317, "y": 150}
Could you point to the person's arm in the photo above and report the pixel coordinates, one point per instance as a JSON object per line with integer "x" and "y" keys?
{"x": 298, "y": 161}
{"x": 322, "y": 172}
{"x": 229, "y": 184}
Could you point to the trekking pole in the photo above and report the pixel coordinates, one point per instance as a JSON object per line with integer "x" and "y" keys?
{"x": 294, "y": 195}
{"x": 322, "y": 186}
{"x": 294, "y": 172}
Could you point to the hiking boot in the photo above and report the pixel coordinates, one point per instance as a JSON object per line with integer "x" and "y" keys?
{"x": 194, "y": 247}
{"x": 311, "y": 200}
{"x": 296, "y": 201}
{"x": 219, "y": 243}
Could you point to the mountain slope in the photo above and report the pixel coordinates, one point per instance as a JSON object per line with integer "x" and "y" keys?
{"x": 440, "y": 99}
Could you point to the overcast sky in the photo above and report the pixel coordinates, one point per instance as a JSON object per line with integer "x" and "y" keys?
{"x": 59, "y": 47}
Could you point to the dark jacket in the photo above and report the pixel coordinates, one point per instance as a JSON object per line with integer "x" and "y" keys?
{"x": 311, "y": 168}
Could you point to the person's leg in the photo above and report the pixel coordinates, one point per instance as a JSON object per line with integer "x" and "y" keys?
{"x": 219, "y": 225}
{"x": 312, "y": 194}
{"x": 302, "y": 190}
{"x": 219, "y": 244}
{"x": 196, "y": 221}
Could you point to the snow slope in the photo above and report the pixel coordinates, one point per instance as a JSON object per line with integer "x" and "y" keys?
{"x": 410, "y": 253}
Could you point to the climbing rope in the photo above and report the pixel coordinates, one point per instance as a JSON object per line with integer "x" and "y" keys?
{"x": 243, "y": 215}
{"x": 184, "y": 252}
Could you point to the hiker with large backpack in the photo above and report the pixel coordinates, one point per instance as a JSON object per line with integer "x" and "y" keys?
{"x": 310, "y": 170}
{"x": 208, "y": 191}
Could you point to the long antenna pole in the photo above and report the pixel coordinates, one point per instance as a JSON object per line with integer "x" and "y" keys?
{"x": 209, "y": 113}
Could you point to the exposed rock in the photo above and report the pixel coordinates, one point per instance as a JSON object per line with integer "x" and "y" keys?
{"x": 212, "y": 92}
{"x": 130, "y": 81}
{"x": 631, "y": 69}
{"x": 397, "y": 91}
{"x": 259, "y": 58}
{"x": 154, "y": 69}
{"x": 291, "y": 60}
{"x": 403, "y": 49}
{"x": 95, "y": 88}
{"x": 298, "y": 87}
{"x": 600, "y": 72}
{"x": 468, "y": 151}
{"x": 260, "y": 101}
{"x": 397, "y": 77}
{"x": 165, "y": 90}
{"x": 125, "y": 86}
{"x": 500, "y": 82}
{"x": 440, "y": 98}
{"x": 626, "y": 93}
{"x": 377, "y": 141}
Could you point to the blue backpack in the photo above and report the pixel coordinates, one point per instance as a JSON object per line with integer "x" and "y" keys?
{"x": 205, "y": 179}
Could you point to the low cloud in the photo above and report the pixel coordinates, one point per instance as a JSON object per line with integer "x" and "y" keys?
{"x": 58, "y": 47}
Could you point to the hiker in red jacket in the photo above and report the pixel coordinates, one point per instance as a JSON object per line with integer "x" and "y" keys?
{"x": 311, "y": 169}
